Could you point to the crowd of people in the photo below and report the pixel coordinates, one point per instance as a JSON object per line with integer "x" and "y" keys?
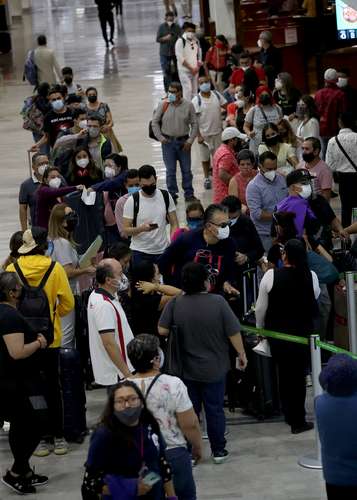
{"x": 103, "y": 268}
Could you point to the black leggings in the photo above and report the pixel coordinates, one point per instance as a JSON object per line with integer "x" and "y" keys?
{"x": 104, "y": 18}
{"x": 341, "y": 492}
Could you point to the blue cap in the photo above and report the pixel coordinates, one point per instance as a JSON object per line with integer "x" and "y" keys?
{"x": 339, "y": 377}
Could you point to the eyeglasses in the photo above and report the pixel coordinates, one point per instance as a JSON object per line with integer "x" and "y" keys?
{"x": 222, "y": 224}
{"x": 131, "y": 401}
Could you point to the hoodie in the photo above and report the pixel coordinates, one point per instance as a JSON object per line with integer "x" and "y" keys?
{"x": 57, "y": 287}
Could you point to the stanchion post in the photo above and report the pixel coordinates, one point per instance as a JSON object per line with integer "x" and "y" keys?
{"x": 313, "y": 460}
{"x": 351, "y": 311}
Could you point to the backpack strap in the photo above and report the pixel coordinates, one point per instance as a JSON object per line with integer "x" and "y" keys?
{"x": 165, "y": 194}
{"x": 46, "y": 275}
{"x": 152, "y": 384}
{"x": 136, "y": 199}
{"x": 183, "y": 41}
{"x": 120, "y": 329}
{"x": 21, "y": 275}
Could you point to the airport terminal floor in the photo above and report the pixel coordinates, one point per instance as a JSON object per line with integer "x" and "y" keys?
{"x": 263, "y": 455}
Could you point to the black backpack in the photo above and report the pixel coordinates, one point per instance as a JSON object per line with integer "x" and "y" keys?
{"x": 136, "y": 199}
{"x": 34, "y": 306}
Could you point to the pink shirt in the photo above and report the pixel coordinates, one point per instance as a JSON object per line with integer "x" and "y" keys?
{"x": 322, "y": 175}
{"x": 223, "y": 159}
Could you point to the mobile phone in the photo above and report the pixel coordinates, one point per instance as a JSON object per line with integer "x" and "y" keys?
{"x": 151, "y": 478}
{"x": 154, "y": 226}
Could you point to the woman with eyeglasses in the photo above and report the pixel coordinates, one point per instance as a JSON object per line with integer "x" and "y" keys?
{"x": 126, "y": 458}
{"x": 287, "y": 303}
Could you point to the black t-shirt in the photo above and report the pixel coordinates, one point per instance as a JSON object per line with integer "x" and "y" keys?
{"x": 145, "y": 313}
{"x": 57, "y": 122}
{"x": 11, "y": 321}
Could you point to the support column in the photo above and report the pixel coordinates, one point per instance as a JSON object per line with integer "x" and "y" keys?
{"x": 222, "y": 13}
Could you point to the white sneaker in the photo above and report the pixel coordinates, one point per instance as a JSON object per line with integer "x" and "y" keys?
{"x": 42, "y": 450}
{"x": 60, "y": 446}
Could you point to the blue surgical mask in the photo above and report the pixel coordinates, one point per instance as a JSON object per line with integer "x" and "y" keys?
{"x": 133, "y": 189}
{"x": 205, "y": 87}
{"x": 194, "y": 223}
{"x": 57, "y": 105}
{"x": 171, "y": 97}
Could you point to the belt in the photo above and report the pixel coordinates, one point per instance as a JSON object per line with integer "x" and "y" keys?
{"x": 181, "y": 138}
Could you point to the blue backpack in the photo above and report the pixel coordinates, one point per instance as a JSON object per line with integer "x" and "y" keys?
{"x": 30, "y": 68}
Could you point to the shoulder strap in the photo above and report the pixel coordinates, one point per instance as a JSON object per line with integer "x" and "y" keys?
{"x": 199, "y": 100}
{"x": 120, "y": 329}
{"x": 183, "y": 41}
{"x": 136, "y": 199}
{"x": 165, "y": 194}
{"x": 345, "y": 153}
{"x": 165, "y": 106}
{"x": 46, "y": 275}
{"x": 217, "y": 95}
{"x": 152, "y": 384}
{"x": 263, "y": 113}
{"x": 20, "y": 274}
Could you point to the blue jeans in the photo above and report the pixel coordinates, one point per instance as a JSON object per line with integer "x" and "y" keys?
{"x": 172, "y": 153}
{"x": 211, "y": 395}
{"x": 137, "y": 257}
{"x": 180, "y": 461}
{"x": 165, "y": 62}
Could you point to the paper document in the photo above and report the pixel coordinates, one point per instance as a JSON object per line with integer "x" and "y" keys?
{"x": 88, "y": 198}
{"x": 86, "y": 259}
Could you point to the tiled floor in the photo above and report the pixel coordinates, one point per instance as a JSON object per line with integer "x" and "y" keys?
{"x": 263, "y": 463}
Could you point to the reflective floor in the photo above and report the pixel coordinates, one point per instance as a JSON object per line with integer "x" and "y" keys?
{"x": 263, "y": 462}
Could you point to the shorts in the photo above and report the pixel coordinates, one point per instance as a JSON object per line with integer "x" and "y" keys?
{"x": 209, "y": 146}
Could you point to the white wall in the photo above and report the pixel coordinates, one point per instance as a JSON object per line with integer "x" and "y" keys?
{"x": 222, "y": 12}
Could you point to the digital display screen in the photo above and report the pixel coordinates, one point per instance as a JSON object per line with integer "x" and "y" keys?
{"x": 346, "y": 17}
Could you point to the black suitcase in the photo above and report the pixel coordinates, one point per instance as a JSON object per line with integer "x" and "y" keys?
{"x": 74, "y": 396}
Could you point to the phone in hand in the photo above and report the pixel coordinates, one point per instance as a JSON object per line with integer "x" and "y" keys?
{"x": 154, "y": 226}
{"x": 151, "y": 478}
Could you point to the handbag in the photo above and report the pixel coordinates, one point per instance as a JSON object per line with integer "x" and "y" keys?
{"x": 325, "y": 270}
{"x": 173, "y": 355}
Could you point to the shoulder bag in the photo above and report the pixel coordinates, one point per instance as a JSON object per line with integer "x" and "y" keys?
{"x": 335, "y": 174}
{"x": 173, "y": 352}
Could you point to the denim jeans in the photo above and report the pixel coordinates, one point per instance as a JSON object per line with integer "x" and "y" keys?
{"x": 180, "y": 461}
{"x": 172, "y": 153}
{"x": 137, "y": 257}
{"x": 165, "y": 62}
{"x": 211, "y": 395}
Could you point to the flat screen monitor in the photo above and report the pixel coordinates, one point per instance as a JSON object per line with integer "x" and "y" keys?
{"x": 346, "y": 17}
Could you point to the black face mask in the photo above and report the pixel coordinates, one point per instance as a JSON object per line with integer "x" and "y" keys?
{"x": 272, "y": 141}
{"x": 265, "y": 99}
{"x": 92, "y": 98}
{"x": 149, "y": 189}
{"x": 68, "y": 80}
{"x": 71, "y": 221}
{"x": 308, "y": 157}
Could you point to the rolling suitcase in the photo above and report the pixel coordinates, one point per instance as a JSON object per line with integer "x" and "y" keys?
{"x": 74, "y": 397}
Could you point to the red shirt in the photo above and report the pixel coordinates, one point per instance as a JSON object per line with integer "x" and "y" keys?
{"x": 237, "y": 77}
{"x": 330, "y": 102}
{"x": 223, "y": 159}
{"x": 216, "y": 59}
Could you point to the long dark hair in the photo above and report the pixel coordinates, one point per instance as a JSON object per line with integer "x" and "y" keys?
{"x": 93, "y": 170}
{"x": 119, "y": 430}
{"x": 296, "y": 255}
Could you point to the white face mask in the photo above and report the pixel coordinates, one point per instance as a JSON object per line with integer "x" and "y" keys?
{"x": 82, "y": 163}
{"x": 342, "y": 82}
{"x": 55, "y": 182}
{"x": 270, "y": 175}
{"x": 170, "y": 23}
{"x": 42, "y": 168}
{"x": 123, "y": 284}
{"x": 223, "y": 233}
{"x": 189, "y": 35}
{"x": 83, "y": 124}
{"x": 260, "y": 43}
{"x": 240, "y": 103}
{"x": 278, "y": 84}
{"x": 306, "y": 191}
{"x": 233, "y": 221}
{"x": 109, "y": 172}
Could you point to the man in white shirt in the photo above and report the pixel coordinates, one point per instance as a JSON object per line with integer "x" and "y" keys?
{"x": 109, "y": 330}
{"x": 208, "y": 106}
{"x": 145, "y": 217}
{"x": 46, "y": 62}
{"x": 346, "y": 168}
{"x": 189, "y": 59}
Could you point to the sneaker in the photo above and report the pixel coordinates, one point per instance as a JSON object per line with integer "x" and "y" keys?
{"x": 60, "y": 446}
{"x": 18, "y": 484}
{"x": 307, "y": 426}
{"x": 189, "y": 199}
{"x": 42, "y": 450}
{"x": 220, "y": 456}
{"x": 36, "y": 479}
{"x": 207, "y": 183}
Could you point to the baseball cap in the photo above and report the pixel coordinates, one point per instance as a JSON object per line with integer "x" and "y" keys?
{"x": 330, "y": 75}
{"x": 297, "y": 176}
{"x": 231, "y": 133}
{"x": 339, "y": 377}
{"x": 32, "y": 238}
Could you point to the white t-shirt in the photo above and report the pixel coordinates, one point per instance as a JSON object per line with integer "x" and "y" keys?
{"x": 152, "y": 210}
{"x": 65, "y": 254}
{"x": 209, "y": 113}
{"x": 167, "y": 397}
{"x": 102, "y": 318}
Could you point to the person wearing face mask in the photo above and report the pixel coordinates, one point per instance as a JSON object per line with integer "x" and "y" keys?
{"x": 82, "y": 169}
{"x": 208, "y": 106}
{"x": 285, "y": 153}
{"x": 194, "y": 219}
{"x": 209, "y": 245}
{"x": 170, "y": 404}
{"x": 145, "y": 217}
{"x": 247, "y": 171}
{"x": 208, "y": 327}
{"x": 237, "y": 110}
{"x": 127, "y": 425}
{"x": 148, "y": 297}
{"x": 285, "y": 94}
{"x": 46, "y": 62}
{"x": 343, "y": 83}
{"x": 247, "y": 74}
{"x": 330, "y": 101}
{"x": 189, "y": 60}
{"x": 131, "y": 184}
{"x": 72, "y": 87}
{"x": 70, "y": 139}
{"x": 109, "y": 330}
{"x": 322, "y": 181}
{"x": 167, "y": 35}
{"x": 269, "y": 56}
{"x": 265, "y": 111}
{"x": 308, "y": 124}
{"x": 27, "y": 193}
{"x": 62, "y": 223}
{"x": 49, "y": 194}
{"x": 34, "y": 111}
{"x": 216, "y": 61}
{"x": 263, "y": 193}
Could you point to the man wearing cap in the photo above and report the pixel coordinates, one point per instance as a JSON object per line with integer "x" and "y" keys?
{"x": 330, "y": 102}
{"x": 34, "y": 264}
{"x": 269, "y": 57}
{"x": 264, "y": 192}
{"x": 225, "y": 164}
